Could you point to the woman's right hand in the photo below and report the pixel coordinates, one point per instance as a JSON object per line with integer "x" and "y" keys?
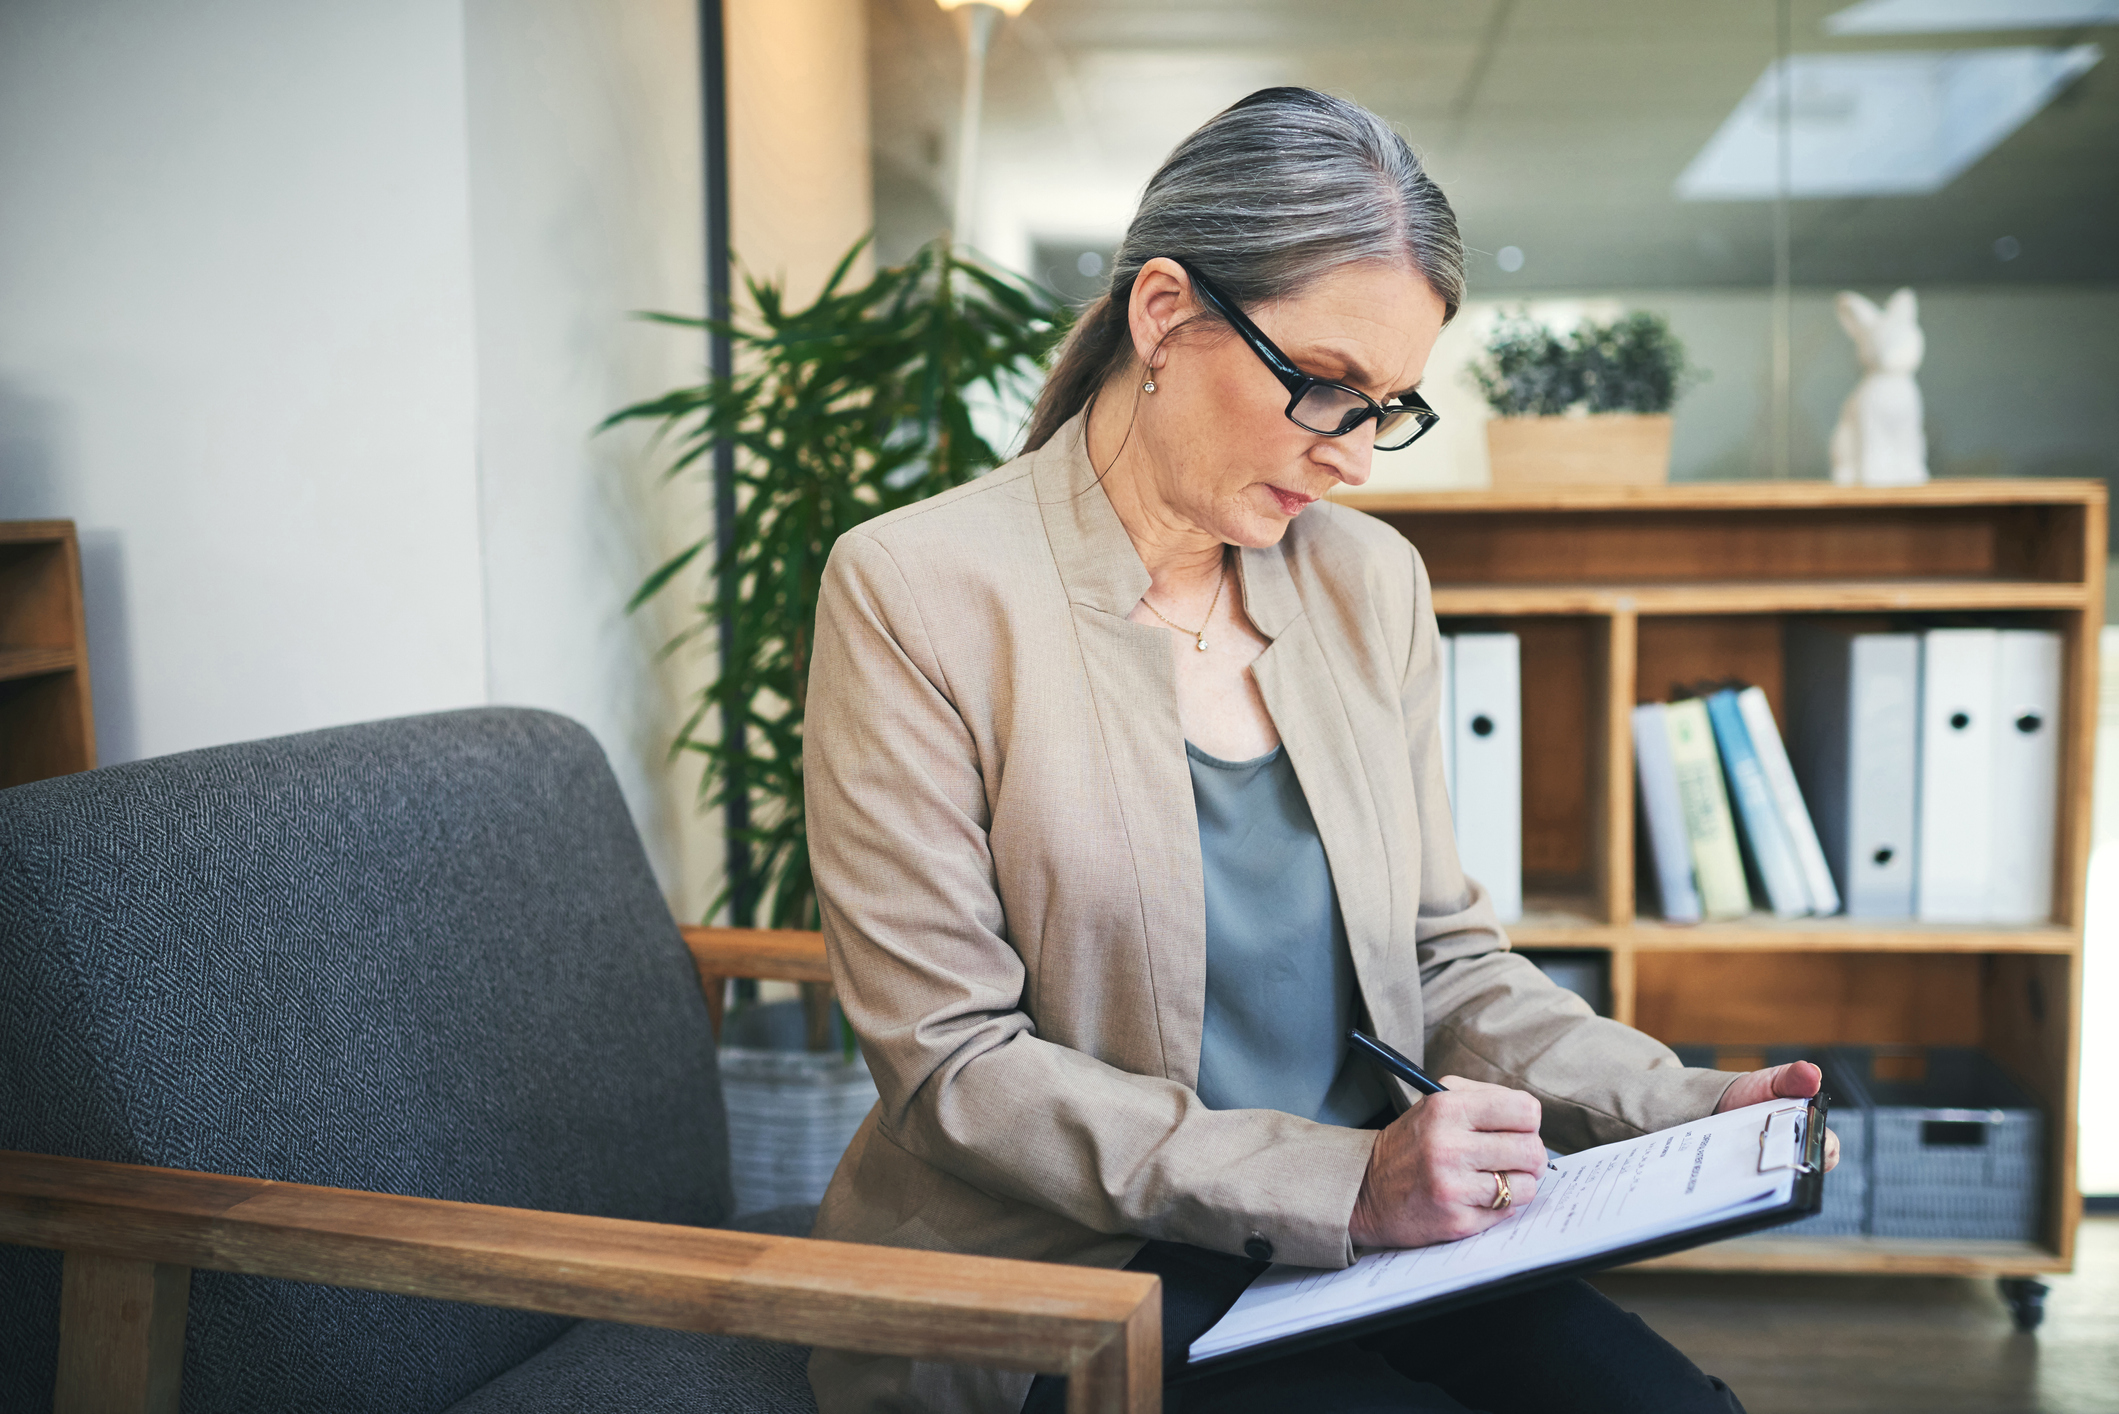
{"x": 1431, "y": 1175}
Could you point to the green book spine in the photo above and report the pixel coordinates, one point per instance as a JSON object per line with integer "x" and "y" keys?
{"x": 1712, "y": 829}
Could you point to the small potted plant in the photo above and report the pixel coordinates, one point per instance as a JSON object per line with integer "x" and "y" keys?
{"x": 1592, "y": 408}
{"x": 858, "y": 403}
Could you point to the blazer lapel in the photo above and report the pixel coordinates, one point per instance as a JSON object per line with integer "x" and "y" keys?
{"x": 1133, "y": 690}
{"x": 1316, "y": 725}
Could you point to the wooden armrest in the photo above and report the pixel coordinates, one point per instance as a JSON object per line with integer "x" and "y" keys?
{"x": 772, "y": 954}
{"x": 775, "y": 954}
{"x": 1103, "y": 1328}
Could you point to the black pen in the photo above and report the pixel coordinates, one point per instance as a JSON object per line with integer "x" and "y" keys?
{"x": 1390, "y": 1059}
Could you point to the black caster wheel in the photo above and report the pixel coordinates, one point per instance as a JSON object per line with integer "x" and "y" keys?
{"x": 2026, "y": 1300}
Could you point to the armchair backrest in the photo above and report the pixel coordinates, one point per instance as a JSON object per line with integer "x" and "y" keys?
{"x": 422, "y": 956}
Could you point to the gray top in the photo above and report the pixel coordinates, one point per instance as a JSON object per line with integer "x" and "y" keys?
{"x": 1280, "y": 979}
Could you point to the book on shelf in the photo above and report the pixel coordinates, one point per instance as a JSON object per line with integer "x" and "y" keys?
{"x": 1717, "y": 866}
{"x": 1663, "y": 815}
{"x": 1918, "y": 777}
{"x": 1788, "y": 799}
{"x": 1758, "y": 817}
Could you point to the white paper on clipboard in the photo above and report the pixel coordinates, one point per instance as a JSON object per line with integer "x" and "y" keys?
{"x": 1599, "y": 1200}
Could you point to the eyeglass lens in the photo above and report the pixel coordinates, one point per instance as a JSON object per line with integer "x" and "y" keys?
{"x": 1335, "y": 411}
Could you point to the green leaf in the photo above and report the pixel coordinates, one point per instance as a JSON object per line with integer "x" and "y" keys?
{"x": 1634, "y": 364}
{"x": 846, "y": 408}
{"x": 652, "y": 585}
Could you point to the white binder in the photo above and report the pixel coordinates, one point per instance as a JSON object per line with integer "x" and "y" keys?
{"x": 1957, "y": 719}
{"x": 1488, "y": 800}
{"x": 1446, "y": 659}
{"x": 1663, "y": 813}
{"x": 2026, "y": 775}
{"x": 1853, "y": 736}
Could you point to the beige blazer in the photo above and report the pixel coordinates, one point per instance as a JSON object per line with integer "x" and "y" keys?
{"x": 1008, "y": 864}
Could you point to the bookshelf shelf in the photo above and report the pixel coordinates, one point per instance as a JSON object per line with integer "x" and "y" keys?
{"x": 1735, "y": 496}
{"x": 1897, "y": 1255}
{"x": 1618, "y": 593}
{"x": 1789, "y": 597}
{"x": 34, "y": 662}
{"x": 1762, "y": 932}
{"x": 1557, "y": 921}
{"x": 46, "y": 728}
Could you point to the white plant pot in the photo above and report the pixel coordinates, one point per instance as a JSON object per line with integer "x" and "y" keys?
{"x": 791, "y": 1112}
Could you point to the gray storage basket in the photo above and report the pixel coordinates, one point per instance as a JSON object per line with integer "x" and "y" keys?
{"x": 791, "y": 1111}
{"x": 1959, "y": 1153}
{"x": 1846, "y": 1208}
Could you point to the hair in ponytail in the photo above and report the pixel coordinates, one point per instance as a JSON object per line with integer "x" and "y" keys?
{"x": 1267, "y": 196}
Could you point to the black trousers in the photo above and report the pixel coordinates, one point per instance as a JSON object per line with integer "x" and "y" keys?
{"x": 1562, "y": 1349}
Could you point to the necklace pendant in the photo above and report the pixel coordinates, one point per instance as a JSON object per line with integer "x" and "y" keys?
{"x": 1200, "y": 644}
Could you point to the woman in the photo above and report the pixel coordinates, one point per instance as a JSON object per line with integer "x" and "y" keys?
{"x": 1125, "y": 801}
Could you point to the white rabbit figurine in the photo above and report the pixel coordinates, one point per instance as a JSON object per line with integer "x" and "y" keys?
{"x": 1880, "y": 440}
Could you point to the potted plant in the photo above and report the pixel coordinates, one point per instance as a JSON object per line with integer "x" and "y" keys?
{"x": 1592, "y": 408}
{"x": 855, "y": 405}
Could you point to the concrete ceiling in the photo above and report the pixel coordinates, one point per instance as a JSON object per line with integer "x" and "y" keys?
{"x": 1556, "y": 127}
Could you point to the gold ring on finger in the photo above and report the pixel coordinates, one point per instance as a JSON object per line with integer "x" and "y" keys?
{"x": 1502, "y": 1197}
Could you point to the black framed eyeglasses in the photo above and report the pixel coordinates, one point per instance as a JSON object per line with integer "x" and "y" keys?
{"x": 1317, "y": 404}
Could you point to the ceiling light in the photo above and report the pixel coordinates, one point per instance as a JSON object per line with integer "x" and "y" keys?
{"x": 1952, "y": 16}
{"x": 1882, "y": 123}
{"x": 1010, "y": 8}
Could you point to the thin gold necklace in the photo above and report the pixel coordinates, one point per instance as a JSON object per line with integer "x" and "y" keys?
{"x": 1199, "y": 635}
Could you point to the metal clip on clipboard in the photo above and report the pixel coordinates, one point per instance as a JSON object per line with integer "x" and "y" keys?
{"x": 1798, "y": 1132}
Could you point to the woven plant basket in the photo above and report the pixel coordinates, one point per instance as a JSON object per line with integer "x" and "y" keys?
{"x": 1603, "y": 449}
{"x": 791, "y": 1111}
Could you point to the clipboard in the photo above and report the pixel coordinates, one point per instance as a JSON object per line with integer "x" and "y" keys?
{"x": 1805, "y": 1199}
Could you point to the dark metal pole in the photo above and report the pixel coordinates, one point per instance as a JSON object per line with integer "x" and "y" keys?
{"x": 1783, "y": 438}
{"x": 713, "y": 87}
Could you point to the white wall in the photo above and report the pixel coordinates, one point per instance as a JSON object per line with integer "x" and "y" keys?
{"x": 306, "y": 314}
{"x": 235, "y": 345}
{"x": 2097, "y": 1143}
{"x": 585, "y": 201}
{"x": 586, "y": 206}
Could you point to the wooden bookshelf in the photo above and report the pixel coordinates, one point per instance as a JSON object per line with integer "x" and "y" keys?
{"x": 46, "y": 726}
{"x": 1618, "y": 594}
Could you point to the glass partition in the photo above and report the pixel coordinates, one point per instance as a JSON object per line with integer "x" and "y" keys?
{"x": 1741, "y": 168}
{"x": 1731, "y": 166}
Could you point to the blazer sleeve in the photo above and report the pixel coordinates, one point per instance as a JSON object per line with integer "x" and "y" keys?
{"x": 1489, "y": 1014}
{"x": 916, "y": 928}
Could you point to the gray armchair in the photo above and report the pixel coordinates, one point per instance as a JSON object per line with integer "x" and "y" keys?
{"x": 349, "y": 1071}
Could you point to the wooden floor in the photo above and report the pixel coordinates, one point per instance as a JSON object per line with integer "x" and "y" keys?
{"x": 1935, "y": 1345}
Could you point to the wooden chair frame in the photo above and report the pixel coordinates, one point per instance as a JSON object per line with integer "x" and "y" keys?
{"x": 132, "y": 1234}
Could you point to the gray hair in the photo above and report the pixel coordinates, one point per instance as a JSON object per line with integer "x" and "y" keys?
{"x": 1264, "y": 198}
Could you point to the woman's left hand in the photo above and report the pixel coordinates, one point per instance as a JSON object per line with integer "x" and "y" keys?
{"x": 1798, "y": 1080}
